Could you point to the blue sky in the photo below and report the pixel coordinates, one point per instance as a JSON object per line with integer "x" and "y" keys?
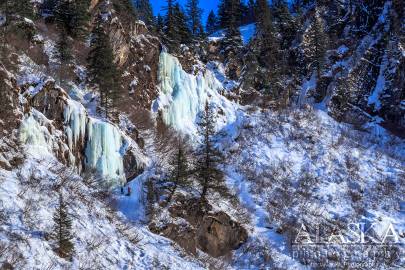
{"x": 207, "y": 5}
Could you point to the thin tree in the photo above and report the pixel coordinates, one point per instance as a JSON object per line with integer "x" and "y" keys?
{"x": 194, "y": 13}
{"x": 48, "y": 9}
{"x": 182, "y": 31}
{"x": 251, "y": 11}
{"x": 316, "y": 45}
{"x": 62, "y": 231}
{"x": 179, "y": 175}
{"x": 103, "y": 71}
{"x": 23, "y": 8}
{"x": 285, "y": 23}
{"x": 212, "y": 23}
{"x": 160, "y": 24}
{"x": 268, "y": 46}
{"x": 209, "y": 158}
{"x": 170, "y": 34}
{"x": 145, "y": 12}
{"x": 73, "y": 17}
{"x": 230, "y": 20}
{"x": 64, "y": 51}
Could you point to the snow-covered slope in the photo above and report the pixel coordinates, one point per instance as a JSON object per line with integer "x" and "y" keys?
{"x": 296, "y": 168}
{"x": 303, "y": 168}
{"x": 246, "y": 31}
{"x": 103, "y": 237}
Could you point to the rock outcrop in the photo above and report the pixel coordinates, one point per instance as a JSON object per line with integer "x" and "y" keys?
{"x": 215, "y": 233}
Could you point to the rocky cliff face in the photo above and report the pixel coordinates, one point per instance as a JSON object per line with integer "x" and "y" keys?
{"x": 213, "y": 232}
{"x": 29, "y": 70}
{"x": 11, "y": 113}
{"x": 137, "y": 55}
{"x": 362, "y": 81}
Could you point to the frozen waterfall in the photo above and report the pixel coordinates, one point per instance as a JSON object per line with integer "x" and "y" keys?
{"x": 75, "y": 122}
{"x": 182, "y": 96}
{"x": 105, "y": 150}
{"x": 105, "y": 144}
{"x": 33, "y": 134}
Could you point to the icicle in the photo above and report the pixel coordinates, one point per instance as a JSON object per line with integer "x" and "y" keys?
{"x": 183, "y": 95}
{"x": 31, "y": 132}
{"x": 105, "y": 149}
{"x": 75, "y": 119}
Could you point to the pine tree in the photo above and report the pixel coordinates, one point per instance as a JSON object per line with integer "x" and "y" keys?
{"x": 73, "y": 16}
{"x": 182, "y": 32}
{"x": 23, "y": 8}
{"x": 316, "y": 44}
{"x": 244, "y": 13}
{"x": 229, "y": 13}
{"x": 145, "y": 12}
{"x": 179, "y": 175}
{"x": 194, "y": 13}
{"x": 63, "y": 47}
{"x": 266, "y": 49}
{"x": 285, "y": 23}
{"x": 160, "y": 24}
{"x": 62, "y": 231}
{"x": 176, "y": 31}
{"x": 170, "y": 34}
{"x": 212, "y": 23}
{"x": 81, "y": 17}
{"x": 103, "y": 71}
{"x": 230, "y": 19}
{"x": 208, "y": 174}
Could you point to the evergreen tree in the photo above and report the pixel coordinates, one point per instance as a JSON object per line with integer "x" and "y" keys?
{"x": 176, "y": 30}
{"x": 145, "y": 12}
{"x": 170, "y": 36}
{"x": 230, "y": 19}
{"x": 182, "y": 32}
{"x": 179, "y": 175}
{"x": 63, "y": 47}
{"x": 22, "y": 8}
{"x": 212, "y": 23}
{"x": 260, "y": 69}
{"x": 285, "y": 23}
{"x": 103, "y": 71}
{"x": 160, "y": 24}
{"x": 247, "y": 12}
{"x": 81, "y": 17}
{"x": 297, "y": 7}
{"x": 208, "y": 174}
{"x": 229, "y": 13}
{"x": 73, "y": 17}
{"x": 194, "y": 13}
{"x": 315, "y": 45}
{"x": 62, "y": 228}
{"x": 251, "y": 11}
{"x": 244, "y": 13}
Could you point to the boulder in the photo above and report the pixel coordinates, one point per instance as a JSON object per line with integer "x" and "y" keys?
{"x": 218, "y": 234}
{"x": 215, "y": 233}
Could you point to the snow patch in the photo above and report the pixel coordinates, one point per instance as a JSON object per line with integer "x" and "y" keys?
{"x": 246, "y": 31}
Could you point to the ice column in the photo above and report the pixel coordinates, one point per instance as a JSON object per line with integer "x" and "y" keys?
{"x": 75, "y": 122}
{"x": 182, "y": 94}
{"x": 32, "y": 133}
{"x": 105, "y": 150}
